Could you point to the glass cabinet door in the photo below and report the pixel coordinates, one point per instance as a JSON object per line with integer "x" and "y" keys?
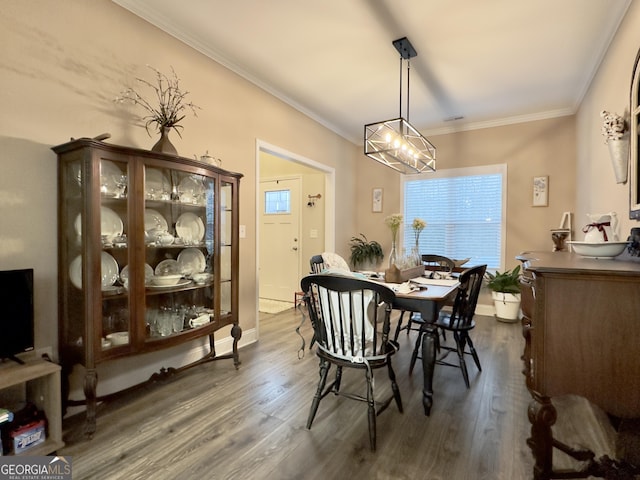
{"x": 179, "y": 251}
{"x": 226, "y": 244}
{"x": 115, "y": 255}
{"x": 93, "y": 252}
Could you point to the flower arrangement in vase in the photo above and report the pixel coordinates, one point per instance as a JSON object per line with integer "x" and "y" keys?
{"x": 169, "y": 111}
{"x": 418, "y": 225}
{"x": 616, "y": 136}
{"x": 393, "y": 222}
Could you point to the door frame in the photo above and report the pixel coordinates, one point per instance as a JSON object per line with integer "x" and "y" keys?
{"x": 329, "y": 199}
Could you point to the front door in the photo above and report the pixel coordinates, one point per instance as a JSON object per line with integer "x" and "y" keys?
{"x": 279, "y": 268}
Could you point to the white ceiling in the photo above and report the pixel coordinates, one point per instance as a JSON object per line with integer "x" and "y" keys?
{"x": 492, "y": 62}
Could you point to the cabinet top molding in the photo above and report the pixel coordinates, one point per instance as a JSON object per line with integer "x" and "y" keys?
{"x": 79, "y": 143}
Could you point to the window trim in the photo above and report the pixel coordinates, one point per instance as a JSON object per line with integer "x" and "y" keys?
{"x": 499, "y": 168}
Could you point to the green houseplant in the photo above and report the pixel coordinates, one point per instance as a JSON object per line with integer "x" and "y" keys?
{"x": 505, "y": 291}
{"x": 365, "y": 253}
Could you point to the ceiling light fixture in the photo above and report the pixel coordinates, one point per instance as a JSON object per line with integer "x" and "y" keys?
{"x": 396, "y": 143}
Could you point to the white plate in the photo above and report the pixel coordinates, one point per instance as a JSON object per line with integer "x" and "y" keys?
{"x": 167, "y": 267}
{"x": 190, "y": 228}
{"x": 109, "y": 271}
{"x": 148, "y": 273}
{"x": 598, "y": 250}
{"x": 154, "y": 220}
{"x": 191, "y": 190}
{"x": 156, "y": 184}
{"x": 110, "y": 223}
{"x": 181, "y": 283}
{"x": 110, "y": 177}
{"x": 190, "y": 261}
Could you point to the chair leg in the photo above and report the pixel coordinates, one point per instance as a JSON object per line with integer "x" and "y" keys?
{"x": 474, "y": 354}
{"x": 460, "y": 349}
{"x": 394, "y": 386}
{"x": 336, "y": 385}
{"x": 416, "y": 349}
{"x": 372, "y": 411}
{"x": 399, "y": 327}
{"x": 324, "y": 371}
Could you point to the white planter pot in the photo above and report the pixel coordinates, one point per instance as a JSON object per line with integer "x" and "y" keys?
{"x": 507, "y": 306}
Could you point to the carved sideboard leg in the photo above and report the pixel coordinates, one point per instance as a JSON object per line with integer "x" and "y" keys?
{"x": 90, "y": 384}
{"x": 236, "y": 333}
{"x": 542, "y": 415}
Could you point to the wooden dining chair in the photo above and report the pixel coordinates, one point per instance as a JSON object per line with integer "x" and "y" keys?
{"x": 459, "y": 321}
{"x": 317, "y": 264}
{"x": 350, "y": 318}
{"x": 433, "y": 263}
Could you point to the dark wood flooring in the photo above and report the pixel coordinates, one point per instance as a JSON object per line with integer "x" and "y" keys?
{"x": 216, "y": 422}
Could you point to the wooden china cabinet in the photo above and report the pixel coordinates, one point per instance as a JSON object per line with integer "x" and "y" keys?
{"x": 580, "y": 322}
{"x": 147, "y": 256}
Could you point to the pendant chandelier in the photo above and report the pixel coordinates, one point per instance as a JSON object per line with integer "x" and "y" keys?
{"x": 396, "y": 143}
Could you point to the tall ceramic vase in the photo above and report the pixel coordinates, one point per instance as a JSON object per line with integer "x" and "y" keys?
{"x": 164, "y": 145}
{"x": 619, "y": 153}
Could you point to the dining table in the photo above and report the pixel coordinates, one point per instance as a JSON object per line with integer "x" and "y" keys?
{"x": 426, "y": 296}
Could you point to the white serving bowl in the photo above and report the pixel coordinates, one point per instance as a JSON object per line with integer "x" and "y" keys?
{"x": 166, "y": 280}
{"x": 598, "y": 250}
{"x": 118, "y": 338}
{"x": 201, "y": 278}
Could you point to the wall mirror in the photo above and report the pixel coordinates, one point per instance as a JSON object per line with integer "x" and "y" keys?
{"x": 634, "y": 158}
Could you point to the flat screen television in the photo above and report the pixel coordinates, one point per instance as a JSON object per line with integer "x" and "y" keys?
{"x": 16, "y": 317}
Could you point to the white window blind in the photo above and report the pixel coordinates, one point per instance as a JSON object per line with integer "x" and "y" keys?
{"x": 463, "y": 209}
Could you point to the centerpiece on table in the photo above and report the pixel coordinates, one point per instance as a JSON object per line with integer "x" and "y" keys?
{"x": 402, "y": 268}
{"x": 616, "y": 136}
{"x": 169, "y": 111}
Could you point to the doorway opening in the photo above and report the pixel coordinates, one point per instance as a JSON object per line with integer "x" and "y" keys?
{"x": 295, "y": 219}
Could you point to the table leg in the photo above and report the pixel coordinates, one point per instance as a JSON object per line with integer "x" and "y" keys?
{"x": 428, "y": 363}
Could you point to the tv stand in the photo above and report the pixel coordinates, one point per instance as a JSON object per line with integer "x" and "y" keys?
{"x": 38, "y": 381}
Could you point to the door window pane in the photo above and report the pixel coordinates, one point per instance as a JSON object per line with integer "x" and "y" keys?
{"x": 277, "y": 202}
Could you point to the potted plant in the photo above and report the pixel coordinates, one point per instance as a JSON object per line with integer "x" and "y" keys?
{"x": 365, "y": 253}
{"x": 505, "y": 291}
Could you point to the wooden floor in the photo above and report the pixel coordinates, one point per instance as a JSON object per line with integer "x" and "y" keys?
{"x": 216, "y": 422}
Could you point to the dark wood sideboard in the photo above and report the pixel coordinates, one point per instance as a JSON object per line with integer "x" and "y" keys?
{"x": 581, "y": 320}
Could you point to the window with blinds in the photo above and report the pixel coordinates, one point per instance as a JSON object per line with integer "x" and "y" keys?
{"x": 464, "y": 210}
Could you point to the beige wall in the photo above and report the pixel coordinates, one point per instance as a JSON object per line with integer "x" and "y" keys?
{"x": 598, "y": 191}
{"x": 545, "y": 147}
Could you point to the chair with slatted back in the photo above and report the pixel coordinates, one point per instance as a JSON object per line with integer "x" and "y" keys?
{"x": 317, "y": 264}
{"x": 432, "y": 263}
{"x": 459, "y": 321}
{"x": 350, "y": 318}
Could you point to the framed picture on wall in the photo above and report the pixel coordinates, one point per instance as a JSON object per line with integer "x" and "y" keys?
{"x": 376, "y": 200}
{"x": 540, "y": 191}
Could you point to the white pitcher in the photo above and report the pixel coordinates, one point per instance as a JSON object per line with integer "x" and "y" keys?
{"x": 602, "y": 227}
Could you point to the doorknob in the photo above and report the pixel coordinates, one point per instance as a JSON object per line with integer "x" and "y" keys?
{"x": 295, "y": 249}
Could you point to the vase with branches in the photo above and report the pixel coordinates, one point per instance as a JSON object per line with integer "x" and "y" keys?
{"x": 167, "y": 109}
